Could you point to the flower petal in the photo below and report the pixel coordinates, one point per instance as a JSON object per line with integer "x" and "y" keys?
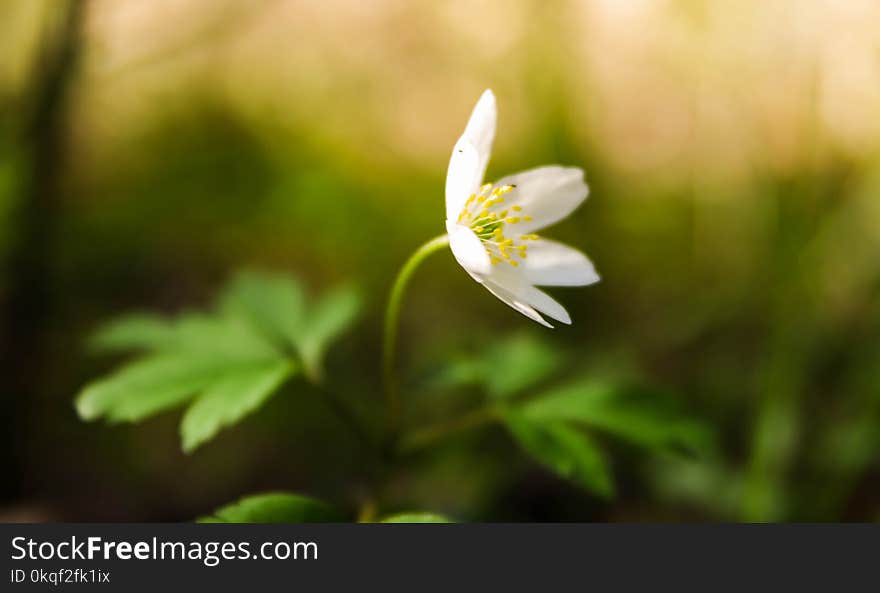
{"x": 508, "y": 298}
{"x": 546, "y": 304}
{"x": 468, "y": 250}
{"x": 480, "y": 130}
{"x": 512, "y": 283}
{"x": 553, "y": 264}
{"x": 463, "y": 178}
{"x": 546, "y": 194}
{"x": 470, "y": 156}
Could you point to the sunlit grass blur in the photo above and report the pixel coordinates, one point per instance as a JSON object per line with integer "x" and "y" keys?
{"x": 150, "y": 149}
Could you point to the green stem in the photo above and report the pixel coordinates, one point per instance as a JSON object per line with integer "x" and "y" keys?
{"x": 392, "y": 315}
{"x": 428, "y": 436}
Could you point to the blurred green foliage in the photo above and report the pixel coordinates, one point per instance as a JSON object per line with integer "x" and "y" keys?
{"x": 261, "y": 333}
{"x": 733, "y": 216}
{"x": 274, "y": 508}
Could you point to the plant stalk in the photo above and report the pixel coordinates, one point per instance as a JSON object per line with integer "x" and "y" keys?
{"x": 430, "y": 435}
{"x": 392, "y": 316}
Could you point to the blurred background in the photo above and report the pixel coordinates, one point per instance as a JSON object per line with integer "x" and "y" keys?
{"x": 150, "y": 149}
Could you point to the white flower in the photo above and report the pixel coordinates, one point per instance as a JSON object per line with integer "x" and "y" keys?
{"x": 492, "y": 227}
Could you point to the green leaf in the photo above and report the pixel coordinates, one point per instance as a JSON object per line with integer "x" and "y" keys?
{"x": 227, "y": 362}
{"x": 646, "y": 418}
{"x": 517, "y": 363}
{"x": 326, "y": 321}
{"x": 274, "y": 507}
{"x": 274, "y": 304}
{"x": 228, "y": 400}
{"x": 147, "y": 387}
{"x": 224, "y": 336}
{"x": 134, "y": 332}
{"x": 567, "y": 451}
{"x": 506, "y": 368}
{"x": 415, "y": 518}
{"x": 221, "y": 336}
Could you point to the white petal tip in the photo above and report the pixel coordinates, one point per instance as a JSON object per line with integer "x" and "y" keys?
{"x": 590, "y": 279}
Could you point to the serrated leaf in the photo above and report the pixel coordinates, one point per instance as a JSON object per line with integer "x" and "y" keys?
{"x": 415, "y": 518}
{"x": 211, "y": 358}
{"x": 277, "y": 307}
{"x": 567, "y": 451}
{"x": 508, "y": 367}
{"x": 330, "y": 316}
{"x": 274, "y": 507}
{"x": 646, "y": 418}
{"x": 274, "y": 304}
{"x": 225, "y": 402}
{"x": 147, "y": 387}
{"x": 228, "y": 361}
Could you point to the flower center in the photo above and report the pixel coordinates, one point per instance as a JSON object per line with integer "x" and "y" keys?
{"x": 486, "y": 216}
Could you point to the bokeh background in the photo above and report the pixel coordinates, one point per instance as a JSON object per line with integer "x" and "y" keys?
{"x": 150, "y": 149}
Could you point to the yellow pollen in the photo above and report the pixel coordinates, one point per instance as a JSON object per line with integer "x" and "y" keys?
{"x": 489, "y": 225}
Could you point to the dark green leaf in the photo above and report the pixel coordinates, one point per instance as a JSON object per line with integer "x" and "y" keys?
{"x": 274, "y": 507}
{"x": 517, "y": 363}
{"x": 643, "y": 417}
{"x": 565, "y": 450}
{"x": 509, "y": 366}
